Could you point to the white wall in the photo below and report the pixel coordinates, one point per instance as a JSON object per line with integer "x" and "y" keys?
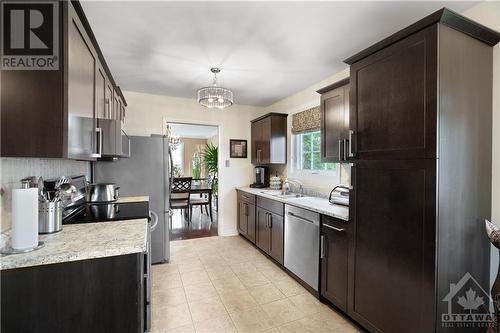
{"x": 488, "y": 14}
{"x": 301, "y": 101}
{"x": 146, "y": 114}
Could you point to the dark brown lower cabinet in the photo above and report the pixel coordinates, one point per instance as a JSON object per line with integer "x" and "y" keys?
{"x": 335, "y": 235}
{"x": 392, "y": 253}
{"x": 97, "y": 295}
{"x": 246, "y": 220}
{"x": 262, "y": 235}
{"x": 270, "y": 229}
{"x": 276, "y": 245}
{"x": 246, "y": 215}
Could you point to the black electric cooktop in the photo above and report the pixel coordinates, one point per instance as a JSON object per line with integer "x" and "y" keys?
{"x": 104, "y": 212}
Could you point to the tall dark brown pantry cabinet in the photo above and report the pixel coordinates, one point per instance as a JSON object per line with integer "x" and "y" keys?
{"x": 420, "y": 116}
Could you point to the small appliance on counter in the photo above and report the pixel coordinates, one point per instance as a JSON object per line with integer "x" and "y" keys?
{"x": 339, "y": 195}
{"x": 261, "y": 177}
{"x": 275, "y": 183}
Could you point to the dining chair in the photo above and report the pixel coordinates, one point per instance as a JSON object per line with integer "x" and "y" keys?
{"x": 180, "y": 195}
{"x": 202, "y": 201}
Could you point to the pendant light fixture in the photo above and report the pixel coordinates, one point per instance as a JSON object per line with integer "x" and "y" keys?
{"x": 214, "y": 96}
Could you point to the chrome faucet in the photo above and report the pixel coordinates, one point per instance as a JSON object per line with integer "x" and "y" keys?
{"x": 286, "y": 189}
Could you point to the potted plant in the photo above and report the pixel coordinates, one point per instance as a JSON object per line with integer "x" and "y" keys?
{"x": 211, "y": 158}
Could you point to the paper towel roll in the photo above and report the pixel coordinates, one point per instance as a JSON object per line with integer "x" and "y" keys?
{"x": 24, "y": 218}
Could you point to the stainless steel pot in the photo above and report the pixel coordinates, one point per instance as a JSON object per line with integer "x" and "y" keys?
{"x": 104, "y": 211}
{"x": 101, "y": 192}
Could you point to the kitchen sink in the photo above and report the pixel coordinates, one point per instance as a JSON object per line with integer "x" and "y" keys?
{"x": 279, "y": 194}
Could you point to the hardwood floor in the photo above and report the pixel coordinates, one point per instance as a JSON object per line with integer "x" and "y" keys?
{"x": 200, "y": 225}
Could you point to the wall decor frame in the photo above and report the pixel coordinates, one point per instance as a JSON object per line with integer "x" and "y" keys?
{"x": 238, "y": 148}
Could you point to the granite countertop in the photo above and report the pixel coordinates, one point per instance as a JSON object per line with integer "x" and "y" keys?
{"x": 128, "y": 199}
{"x": 84, "y": 241}
{"x": 319, "y": 205}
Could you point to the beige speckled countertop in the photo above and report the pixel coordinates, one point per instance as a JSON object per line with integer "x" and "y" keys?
{"x": 319, "y": 205}
{"x": 127, "y": 199}
{"x": 84, "y": 241}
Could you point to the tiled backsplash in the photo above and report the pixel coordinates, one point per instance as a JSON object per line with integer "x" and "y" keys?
{"x": 14, "y": 169}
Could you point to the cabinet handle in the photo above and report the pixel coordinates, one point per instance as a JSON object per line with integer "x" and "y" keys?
{"x": 340, "y": 150}
{"x": 333, "y": 228}
{"x": 270, "y": 221}
{"x": 258, "y": 155}
{"x": 351, "y": 150}
{"x": 345, "y": 142}
{"x": 322, "y": 245}
{"x": 108, "y": 113}
{"x": 98, "y": 132}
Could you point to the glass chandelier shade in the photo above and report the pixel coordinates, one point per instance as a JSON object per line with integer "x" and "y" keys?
{"x": 214, "y": 96}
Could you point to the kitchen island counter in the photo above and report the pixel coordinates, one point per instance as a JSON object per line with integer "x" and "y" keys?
{"x": 316, "y": 204}
{"x": 84, "y": 241}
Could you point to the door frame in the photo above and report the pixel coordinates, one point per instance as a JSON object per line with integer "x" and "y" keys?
{"x": 166, "y": 120}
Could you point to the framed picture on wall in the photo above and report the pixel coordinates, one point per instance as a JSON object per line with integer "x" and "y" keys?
{"x": 238, "y": 148}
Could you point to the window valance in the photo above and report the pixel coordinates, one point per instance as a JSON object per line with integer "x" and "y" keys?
{"x": 306, "y": 121}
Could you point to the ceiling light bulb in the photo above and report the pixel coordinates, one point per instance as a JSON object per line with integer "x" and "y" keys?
{"x": 220, "y": 100}
{"x": 210, "y": 100}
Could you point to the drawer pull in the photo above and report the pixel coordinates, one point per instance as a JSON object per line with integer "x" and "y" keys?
{"x": 332, "y": 227}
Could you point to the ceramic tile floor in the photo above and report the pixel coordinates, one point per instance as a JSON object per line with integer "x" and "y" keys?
{"x": 224, "y": 284}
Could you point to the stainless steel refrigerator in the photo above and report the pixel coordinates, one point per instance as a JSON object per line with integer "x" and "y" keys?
{"x": 146, "y": 172}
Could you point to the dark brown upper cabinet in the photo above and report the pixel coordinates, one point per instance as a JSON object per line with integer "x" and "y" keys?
{"x": 268, "y": 143}
{"x": 393, "y": 100}
{"x": 55, "y": 113}
{"x": 334, "y": 110}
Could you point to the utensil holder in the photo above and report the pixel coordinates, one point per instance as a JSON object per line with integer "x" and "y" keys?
{"x": 50, "y": 217}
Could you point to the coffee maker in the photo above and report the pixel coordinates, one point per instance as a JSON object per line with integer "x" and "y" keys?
{"x": 261, "y": 177}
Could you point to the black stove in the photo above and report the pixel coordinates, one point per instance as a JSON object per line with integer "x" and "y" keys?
{"x": 107, "y": 212}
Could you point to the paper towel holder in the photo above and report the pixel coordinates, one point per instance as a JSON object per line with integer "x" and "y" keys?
{"x": 9, "y": 250}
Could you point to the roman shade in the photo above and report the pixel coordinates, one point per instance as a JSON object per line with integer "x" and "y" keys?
{"x": 306, "y": 121}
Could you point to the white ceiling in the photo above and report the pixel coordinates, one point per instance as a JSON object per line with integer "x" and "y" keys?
{"x": 267, "y": 50}
{"x": 193, "y": 131}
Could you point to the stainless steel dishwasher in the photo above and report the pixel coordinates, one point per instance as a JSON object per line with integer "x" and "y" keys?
{"x": 302, "y": 244}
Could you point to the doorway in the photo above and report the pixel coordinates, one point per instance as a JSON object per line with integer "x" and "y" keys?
{"x": 195, "y": 156}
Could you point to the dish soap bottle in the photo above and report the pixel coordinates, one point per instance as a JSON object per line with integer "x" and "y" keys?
{"x": 286, "y": 187}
